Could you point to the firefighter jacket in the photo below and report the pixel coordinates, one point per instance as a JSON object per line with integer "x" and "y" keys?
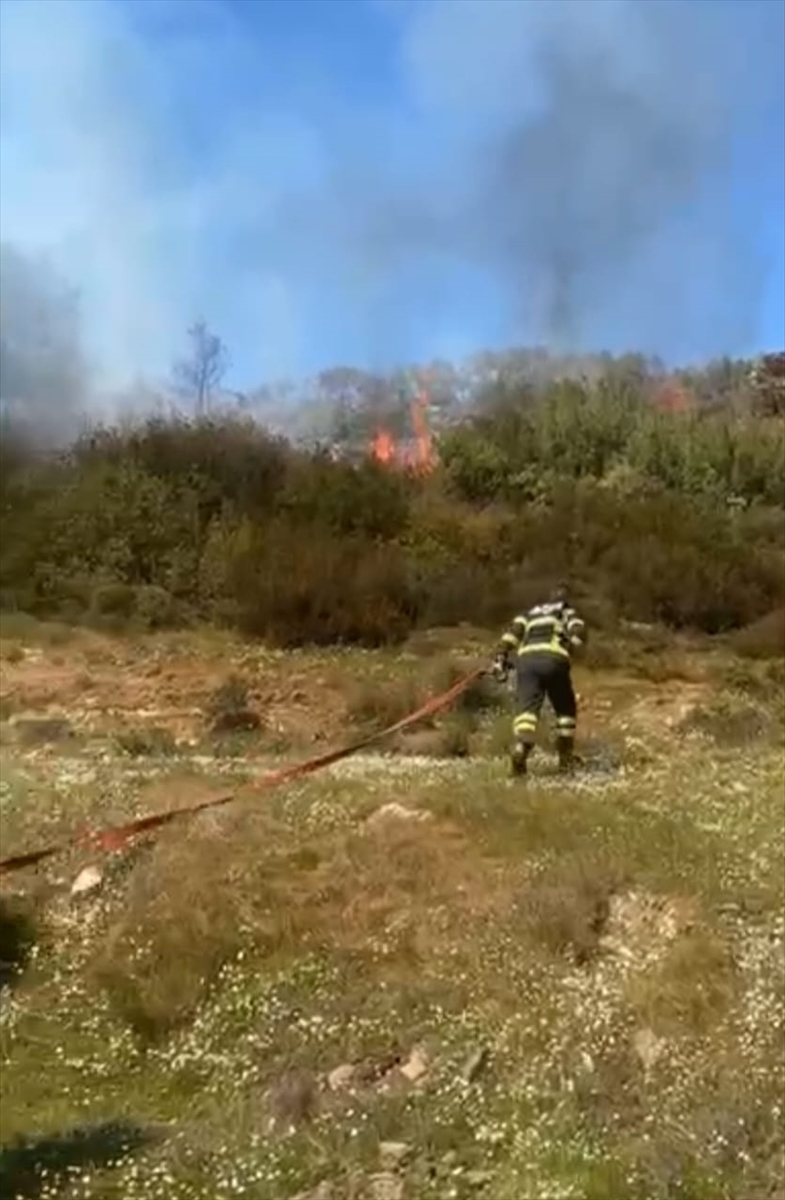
{"x": 552, "y": 628}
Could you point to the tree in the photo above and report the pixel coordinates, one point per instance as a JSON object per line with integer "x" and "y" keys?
{"x": 200, "y": 374}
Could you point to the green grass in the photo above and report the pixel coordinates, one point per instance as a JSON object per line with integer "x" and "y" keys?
{"x": 613, "y": 944}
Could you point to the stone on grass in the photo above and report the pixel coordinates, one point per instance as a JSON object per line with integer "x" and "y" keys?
{"x": 88, "y": 879}
{"x": 341, "y": 1077}
{"x": 386, "y": 1186}
{"x": 392, "y": 1154}
{"x": 396, "y": 812}
{"x": 415, "y": 1066}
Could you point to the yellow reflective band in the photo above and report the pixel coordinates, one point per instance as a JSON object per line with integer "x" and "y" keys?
{"x": 565, "y": 723}
{"x": 509, "y": 639}
{"x": 525, "y": 724}
{"x": 545, "y": 648}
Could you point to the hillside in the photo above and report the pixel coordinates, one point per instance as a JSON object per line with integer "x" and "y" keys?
{"x": 406, "y": 977}
{"x": 403, "y": 977}
{"x": 168, "y": 521}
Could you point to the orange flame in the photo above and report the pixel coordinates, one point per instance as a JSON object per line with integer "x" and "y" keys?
{"x": 419, "y": 457}
{"x": 424, "y": 454}
{"x": 672, "y": 398}
{"x": 383, "y": 447}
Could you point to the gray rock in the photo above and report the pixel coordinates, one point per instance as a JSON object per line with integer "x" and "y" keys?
{"x": 385, "y": 1186}
{"x": 341, "y": 1077}
{"x": 416, "y": 1065}
{"x": 392, "y": 1154}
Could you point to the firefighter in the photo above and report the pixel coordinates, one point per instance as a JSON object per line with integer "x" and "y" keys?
{"x": 539, "y": 646}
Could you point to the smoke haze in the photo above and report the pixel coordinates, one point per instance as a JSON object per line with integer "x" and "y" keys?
{"x": 601, "y": 174}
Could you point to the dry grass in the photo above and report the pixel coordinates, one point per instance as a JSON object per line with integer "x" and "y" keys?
{"x": 256, "y": 983}
{"x": 764, "y": 638}
{"x": 568, "y": 907}
{"x": 374, "y": 705}
{"x": 198, "y": 900}
{"x": 229, "y": 708}
{"x": 143, "y": 741}
{"x": 690, "y": 989}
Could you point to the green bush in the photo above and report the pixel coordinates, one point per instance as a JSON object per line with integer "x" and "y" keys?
{"x": 296, "y": 586}
{"x": 654, "y": 516}
{"x": 345, "y": 500}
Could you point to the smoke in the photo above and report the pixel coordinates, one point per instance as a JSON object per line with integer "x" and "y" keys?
{"x": 43, "y": 380}
{"x": 584, "y": 173}
{"x": 609, "y": 140}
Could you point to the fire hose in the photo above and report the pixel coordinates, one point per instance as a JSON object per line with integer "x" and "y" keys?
{"x": 115, "y": 837}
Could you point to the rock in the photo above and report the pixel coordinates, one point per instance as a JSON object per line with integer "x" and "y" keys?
{"x": 415, "y": 1066}
{"x": 396, "y": 812}
{"x": 479, "y": 1179}
{"x": 376, "y": 1069}
{"x": 340, "y": 1078}
{"x": 587, "y": 1062}
{"x": 392, "y": 1154}
{"x": 476, "y": 1063}
{"x": 385, "y": 1186}
{"x": 88, "y": 879}
{"x": 324, "y": 1191}
{"x": 648, "y": 1047}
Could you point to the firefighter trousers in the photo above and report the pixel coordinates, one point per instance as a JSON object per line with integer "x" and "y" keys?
{"x": 538, "y": 676}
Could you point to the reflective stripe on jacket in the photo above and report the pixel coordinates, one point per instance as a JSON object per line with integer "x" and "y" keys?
{"x": 545, "y": 629}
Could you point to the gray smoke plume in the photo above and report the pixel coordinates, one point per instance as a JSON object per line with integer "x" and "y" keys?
{"x": 593, "y": 174}
{"x": 43, "y": 375}
{"x": 607, "y": 133}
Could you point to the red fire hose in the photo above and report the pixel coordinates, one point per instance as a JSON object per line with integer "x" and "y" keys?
{"x": 115, "y": 837}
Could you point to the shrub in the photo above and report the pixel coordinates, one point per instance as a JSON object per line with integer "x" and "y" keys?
{"x": 147, "y": 741}
{"x": 155, "y": 608}
{"x": 764, "y": 638}
{"x": 568, "y": 907}
{"x": 296, "y": 588}
{"x": 114, "y": 600}
{"x": 18, "y": 936}
{"x": 344, "y": 499}
{"x": 229, "y": 709}
{"x": 659, "y": 517}
{"x": 223, "y": 460}
{"x": 374, "y": 706}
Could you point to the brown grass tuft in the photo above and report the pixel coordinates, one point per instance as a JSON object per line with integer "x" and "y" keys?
{"x": 229, "y": 708}
{"x": 294, "y": 1099}
{"x": 196, "y": 901}
{"x": 142, "y": 741}
{"x": 690, "y": 988}
{"x": 567, "y": 908}
{"x": 764, "y": 638}
{"x": 373, "y": 705}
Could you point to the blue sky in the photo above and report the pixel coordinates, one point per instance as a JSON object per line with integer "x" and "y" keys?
{"x": 369, "y": 182}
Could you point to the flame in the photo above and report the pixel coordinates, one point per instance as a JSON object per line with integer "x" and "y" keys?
{"x": 420, "y": 457}
{"x": 423, "y": 445}
{"x": 672, "y": 398}
{"x": 383, "y": 447}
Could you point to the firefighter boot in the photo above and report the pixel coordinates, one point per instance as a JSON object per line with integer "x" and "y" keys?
{"x": 519, "y": 759}
{"x": 565, "y": 748}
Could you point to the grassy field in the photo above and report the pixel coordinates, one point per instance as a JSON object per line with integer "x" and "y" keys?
{"x": 406, "y": 978}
